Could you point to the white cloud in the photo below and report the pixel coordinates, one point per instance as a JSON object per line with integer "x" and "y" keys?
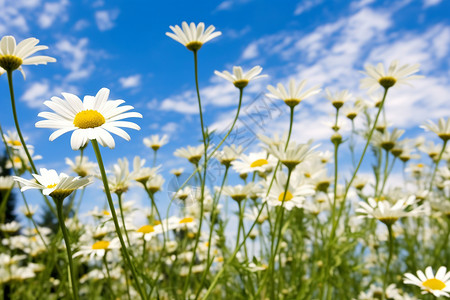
{"x": 80, "y": 25}
{"x": 170, "y": 128}
{"x": 304, "y": 6}
{"x": 229, "y": 4}
{"x": 428, "y": 3}
{"x": 130, "y": 81}
{"x": 250, "y": 52}
{"x": 38, "y": 92}
{"x": 53, "y": 11}
{"x": 105, "y": 19}
{"x": 74, "y": 57}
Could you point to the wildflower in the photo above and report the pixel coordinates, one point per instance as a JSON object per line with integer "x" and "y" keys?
{"x": 98, "y": 248}
{"x": 29, "y": 211}
{"x": 13, "y": 140}
{"x": 238, "y": 192}
{"x": 120, "y": 179}
{"x": 193, "y": 37}
{"x": 351, "y": 112}
{"x": 294, "y": 94}
{"x": 140, "y": 173}
{"x": 438, "y": 285}
{"x": 254, "y": 162}
{"x": 155, "y": 183}
{"x": 228, "y": 154}
{"x": 155, "y": 141}
{"x": 193, "y": 154}
{"x": 91, "y": 119}
{"x": 13, "y": 56}
{"x": 239, "y": 78}
{"x": 339, "y": 98}
{"x": 442, "y": 129}
{"x": 57, "y": 186}
{"x": 292, "y": 155}
{"x": 6, "y": 183}
{"x": 81, "y": 165}
{"x": 387, "y": 140}
{"x": 177, "y": 172}
{"x": 378, "y": 77}
{"x": 387, "y": 213}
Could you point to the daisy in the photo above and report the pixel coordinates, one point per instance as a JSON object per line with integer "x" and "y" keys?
{"x": 155, "y": 141}
{"x": 378, "y": 77}
{"x": 13, "y": 56}
{"x": 140, "y": 173}
{"x": 239, "y": 78}
{"x": 293, "y": 154}
{"x": 177, "y": 172}
{"x": 147, "y": 232}
{"x": 442, "y": 129}
{"x": 294, "y": 94}
{"x": 57, "y": 186}
{"x": 339, "y": 98}
{"x": 438, "y": 285}
{"x": 13, "y": 140}
{"x": 228, "y": 154}
{"x": 29, "y": 211}
{"x": 387, "y": 213}
{"x": 6, "y": 183}
{"x": 294, "y": 196}
{"x": 238, "y": 192}
{"x": 192, "y": 36}
{"x": 98, "y": 248}
{"x": 81, "y": 165}
{"x": 193, "y": 154}
{"x": 20, "y": 160}
{"x": 387, "y": 140}
{"x": 155, "y": 183}
{"x": 254, "y": 162}
{"x": 120, "y": 179}
{"x": 91, "y": 119}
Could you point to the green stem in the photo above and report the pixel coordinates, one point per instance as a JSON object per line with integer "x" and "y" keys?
{"x": 119, "y": 198}
{"x": 73, "y": 281}
{"x": 437, "y": 165}
{"x": 109, "y": 276}
{"x": 391, "y": 250}
{"x": 16, "y": 121}
{"x": 114, "y": 217}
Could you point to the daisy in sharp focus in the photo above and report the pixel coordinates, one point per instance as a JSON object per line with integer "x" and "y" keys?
{"x": 92, "y": 118}
{"x": 193, "y": 36}
{"x": 13, "y": 56}
{"x": 53, "y": 184}
{"x": 378, "y": 77}
{"x": 294, "y": 94}
{"x": 438, "y": 285}
{"x": 239, "y": 78}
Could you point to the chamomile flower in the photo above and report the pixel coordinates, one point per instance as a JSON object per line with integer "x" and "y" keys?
{"x": 6, "y": 183}
{"x": 387, "y": 140}
{"x": 146, "y": 232}
{"x": 155, "y": 141}
{"x": 387, "y": 213}
{"x": 294, "y": 93}
{"x": 442, "y": 129}
{"x": 81, "y": 165}
{"x": 293, "y": 154}
{"x": 338, "y": 99}
{"x": 193, "y": 154}
{"x": 228, "y": 154}
{"x": 13, "y": 140}
{"x": 54, "y": 184}
{"x": 155, "y": 183}
{"x": 140, "y": 173}
{"x": 13, "y": 56}
{"x": 98, "y": 248}
{"x": 438, "y": 285}
{"x": 120, "y": 179}
{"x": 193, "y": 36}
{"x": 91, "y": 119}
{"x": 177, "y": 172}
{"x": 238, "y": 192}
{"x": 239, "y": 78}
{"x": 254, "y": 162}
{"x": 378, "y": 77}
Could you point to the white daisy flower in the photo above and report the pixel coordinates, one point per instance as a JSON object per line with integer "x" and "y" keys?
{"x": 13, "y": 56}
{"x": 91, "y": 119}
{"x": 177, "y": 172}
{"x": 293, "y": 154}
{"x": 147, "y": 232}
{"x": 193, "y": 36}
{"x": 254, "y": 162}
{"x": 53, "y": 184}
{"x": 442, "y": 129}
{"x": 193, "y": 154}
{"x": 228, "y": 154}
{"x": 155, "y": 183}
{"x": 6, "y": 183}
{"x": 438, "y": 285}
{"x": 155, "y": 141}
{"x": 338, "y": 98}
{"x": 81, "y": 165}
{"x": 140, "y": 173}
{"x": 378, "y": 77}
{"x": 387, "y": 213}
{"x": 238, "y": 192}
{"x": 294, "y": 94}
{"x": 13, "y": 140}
{"x": 120, "y": 179}
{"x": 99, "y": 248}
{"x": 239, "y": 78}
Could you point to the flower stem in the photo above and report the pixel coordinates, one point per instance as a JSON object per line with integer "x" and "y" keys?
{"x": 114, "y": 217}
{"x": 437, "y": 165}
{"x": 119, "y": 198}
{"x": 73, "y": 282}
{"x": 391, "y": 248}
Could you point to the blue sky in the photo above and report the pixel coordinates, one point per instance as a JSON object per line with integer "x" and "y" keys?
{"x": 122, "y": 45}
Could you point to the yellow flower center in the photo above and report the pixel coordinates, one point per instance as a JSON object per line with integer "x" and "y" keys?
{"x": 16, "y": 143}
{"x": 194, "y": 46}
{"x": 105, "y": 213}
{"x": 50, "y": 186}
{"x": 420, "y": 165}
{"x": 88, "y": 119}
{"x": 387, "y": 81}
{"x": 146, "y": 229}
{"x": 157, "y": 222}
{"x": 240, "y": 84}
{"x": 186, "y": 220}
{"x": 100, "y": 245}
{"x": 434, "y": 284}
{"x": 10, "y": 62}
{"x": 292, "y": 102}
{"x": 259, "y": 163}
{"x": 288, "y": 196}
